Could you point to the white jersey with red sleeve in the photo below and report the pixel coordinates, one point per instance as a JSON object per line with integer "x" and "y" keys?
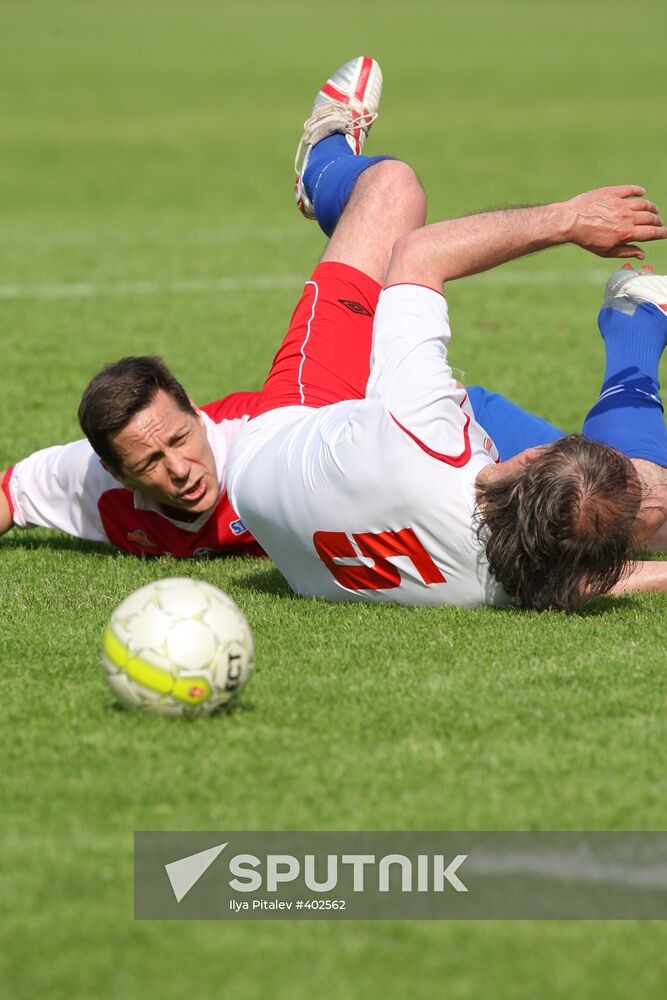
{"x": 374, "y": 499}
{"x": 59, "y": 488}
{"x": 65, "y": 487}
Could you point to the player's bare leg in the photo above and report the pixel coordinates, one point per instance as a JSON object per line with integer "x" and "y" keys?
{"x": 646, "y": 576}
{"x": 387, "y": 202}
{"x": 658, "y": 541}
{"x": 649, "y": 576}
{"x": 651, "y": 531}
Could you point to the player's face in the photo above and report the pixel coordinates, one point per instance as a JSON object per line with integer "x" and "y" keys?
{"x": 165, "y": 454}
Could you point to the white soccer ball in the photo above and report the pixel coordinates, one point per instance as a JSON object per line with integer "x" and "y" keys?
{"x": 178, "y": 647}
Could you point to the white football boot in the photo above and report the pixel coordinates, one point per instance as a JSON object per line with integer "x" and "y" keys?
{"x": 628, "y": 288}
{"x": 348, "y": 102}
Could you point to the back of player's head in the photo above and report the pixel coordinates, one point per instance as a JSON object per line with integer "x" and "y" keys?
{"x": 559, "y": 531}
{"x": 117, "y": 393}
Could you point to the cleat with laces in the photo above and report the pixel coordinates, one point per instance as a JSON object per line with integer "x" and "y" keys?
{"x": 348, "y": 103}
{"x": 628, "y": 288}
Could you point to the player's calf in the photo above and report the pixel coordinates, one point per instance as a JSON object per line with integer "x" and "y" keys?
{"x": 387, "y": 202}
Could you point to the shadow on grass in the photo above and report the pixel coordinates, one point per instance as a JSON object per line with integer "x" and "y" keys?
{"x": 61, "y": 543}
{"x": 266, "y": 581}
{"x": 270, "y": 581}
{"x": 237, "y": 707}
{"x": 602, "y": 606}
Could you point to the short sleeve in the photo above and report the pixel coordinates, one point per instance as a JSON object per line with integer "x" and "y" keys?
{"x": 59, "y": 488}
{"x": 410, "y": 371}
{"x": 232, "y": 407}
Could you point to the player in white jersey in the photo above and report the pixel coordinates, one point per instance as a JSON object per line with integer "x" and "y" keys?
{"x": 376, "y": 498}
{"x": 395, "y": 497}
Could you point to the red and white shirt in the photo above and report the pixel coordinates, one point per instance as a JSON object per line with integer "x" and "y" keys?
{"x": 374, "y": 499}
{"x": 65, "y": 487}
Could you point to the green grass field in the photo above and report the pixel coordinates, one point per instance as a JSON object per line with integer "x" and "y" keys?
{"x": 145, "y": 182}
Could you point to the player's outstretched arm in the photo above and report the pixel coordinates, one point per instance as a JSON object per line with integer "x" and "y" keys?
{"x": 643, "y": 578}
{"x": 607, "y": 222}
{"x": 6, "y": 519}
{"x": 57, "y": 487}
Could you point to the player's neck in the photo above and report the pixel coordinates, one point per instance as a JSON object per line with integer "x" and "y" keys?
{"x": 175, "y": 514}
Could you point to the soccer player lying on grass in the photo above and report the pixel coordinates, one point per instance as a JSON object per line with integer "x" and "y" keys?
{"x": 397, "y": 497}
{"x": 158, "y": 485}
{"x": 150, "y": 478}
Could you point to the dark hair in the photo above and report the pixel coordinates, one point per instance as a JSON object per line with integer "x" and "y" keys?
{"x": 558, "y": 533}
{"x": 120, "y": 391}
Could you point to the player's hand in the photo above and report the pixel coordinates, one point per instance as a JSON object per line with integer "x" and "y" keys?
{"x": 611, "y": 220}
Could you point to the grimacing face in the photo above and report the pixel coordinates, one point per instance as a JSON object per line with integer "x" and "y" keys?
{"x": 164, "y": 453}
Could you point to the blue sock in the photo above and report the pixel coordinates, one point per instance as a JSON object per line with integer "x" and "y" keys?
{"x": 330, "y": 175}
{"x": 629, "y": 413}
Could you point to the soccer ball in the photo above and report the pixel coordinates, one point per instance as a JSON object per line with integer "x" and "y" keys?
{"x": 178, "y": 647}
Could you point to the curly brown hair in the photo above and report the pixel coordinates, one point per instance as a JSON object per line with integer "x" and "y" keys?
{"x": 558, "y": 532}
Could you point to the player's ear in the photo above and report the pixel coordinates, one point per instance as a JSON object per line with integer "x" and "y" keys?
{"x": 511, "y": 466}
{"x": 194, "y": 406}
{"x": 530, "y": 454}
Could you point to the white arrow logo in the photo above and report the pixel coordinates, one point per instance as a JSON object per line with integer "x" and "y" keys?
{"x": 186, "y": 871}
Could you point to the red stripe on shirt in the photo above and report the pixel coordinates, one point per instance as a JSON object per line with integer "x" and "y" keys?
{"x": 458, "y": 461}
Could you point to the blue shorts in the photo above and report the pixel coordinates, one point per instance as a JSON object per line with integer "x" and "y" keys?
{"x": 511, "y": 429}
